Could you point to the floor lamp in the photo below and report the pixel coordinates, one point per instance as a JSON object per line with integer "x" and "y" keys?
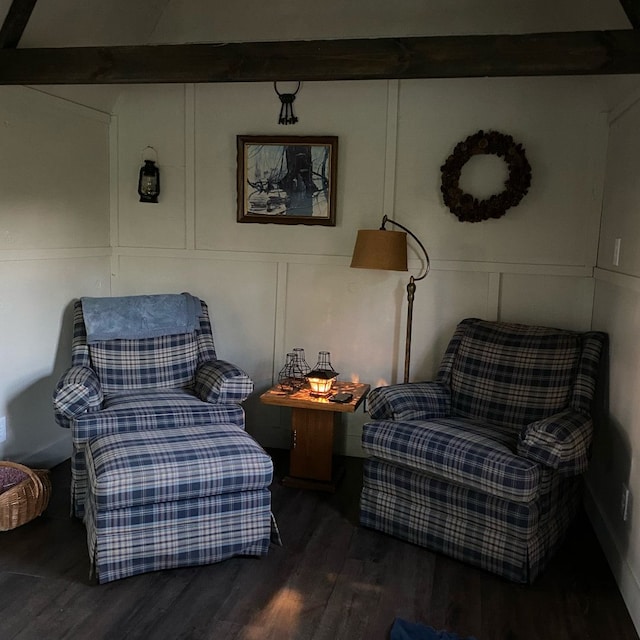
{"x": 384, "y": 249}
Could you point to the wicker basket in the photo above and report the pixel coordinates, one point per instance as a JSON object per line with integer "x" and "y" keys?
{"x": 27, "y": 499}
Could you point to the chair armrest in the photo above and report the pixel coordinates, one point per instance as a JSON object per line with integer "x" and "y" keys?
{"x": 78, "y": 391}
{"x": 220, "y": 381}
{"x": 561, "y": 442}
{"x": 410, "y": 401}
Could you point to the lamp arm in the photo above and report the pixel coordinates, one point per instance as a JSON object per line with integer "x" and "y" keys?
{"x": 411, "y": 290}
{"x": 386, "y": 219}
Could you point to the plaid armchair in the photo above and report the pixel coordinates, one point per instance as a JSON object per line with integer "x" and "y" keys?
{"x": 484, "y": 463}
{"x": 120, "y": 385}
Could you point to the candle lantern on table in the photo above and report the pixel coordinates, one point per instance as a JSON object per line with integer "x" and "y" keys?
{"x": 322, "y": 376}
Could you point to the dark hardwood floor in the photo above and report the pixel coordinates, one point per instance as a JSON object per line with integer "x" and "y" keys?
{"x": 331, "y": 579}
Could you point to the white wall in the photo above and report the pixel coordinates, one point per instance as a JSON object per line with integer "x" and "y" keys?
{"x": 274, "y": 287}
{"x": 617, "y": 311}
{"x": 54, "y": 246}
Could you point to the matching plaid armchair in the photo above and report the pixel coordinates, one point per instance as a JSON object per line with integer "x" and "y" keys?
{"x": 484, "y": 464}
{"x": 133, "y": 384}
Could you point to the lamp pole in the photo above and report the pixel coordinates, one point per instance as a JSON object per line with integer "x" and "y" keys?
{"x": 411, "y": 290}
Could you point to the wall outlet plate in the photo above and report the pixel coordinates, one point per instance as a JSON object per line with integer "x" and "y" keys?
{"x": 3, "y": 428}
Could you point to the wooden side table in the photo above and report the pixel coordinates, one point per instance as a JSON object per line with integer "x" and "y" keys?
{"x": 313, "y": 421}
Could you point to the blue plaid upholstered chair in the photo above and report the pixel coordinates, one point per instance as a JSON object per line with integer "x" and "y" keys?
{"x": 164, "y": 381}
{"x": 484, "y": 464}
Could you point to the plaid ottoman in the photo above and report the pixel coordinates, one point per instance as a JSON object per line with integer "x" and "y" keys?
{"x": 175, "y": 498}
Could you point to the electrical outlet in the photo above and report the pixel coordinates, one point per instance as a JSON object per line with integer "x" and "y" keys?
{"x": 616, "y": 252}
{"x": 3, "y": 428}
{"x": 624, "y": 502}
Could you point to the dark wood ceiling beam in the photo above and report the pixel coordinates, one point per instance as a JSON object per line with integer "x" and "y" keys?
{"x": 632, "y": 9}
{"x": 15, "y": 22}
{"x": 548, "y": 54}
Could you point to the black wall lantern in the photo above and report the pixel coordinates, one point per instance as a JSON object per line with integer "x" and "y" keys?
{"x": 149, "y": 180}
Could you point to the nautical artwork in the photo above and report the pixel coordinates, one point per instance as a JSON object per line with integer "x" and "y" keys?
{"x": 287, "y": 179}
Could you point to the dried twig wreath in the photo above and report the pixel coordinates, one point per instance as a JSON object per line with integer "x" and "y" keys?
{"x": 465, "y": 206}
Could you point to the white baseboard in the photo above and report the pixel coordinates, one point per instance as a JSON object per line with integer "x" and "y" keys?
{"x": 623, "y": 573}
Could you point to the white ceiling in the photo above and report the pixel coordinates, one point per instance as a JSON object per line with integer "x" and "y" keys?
{"x": 202, "y": 21}
{"x": 59, "y": 23}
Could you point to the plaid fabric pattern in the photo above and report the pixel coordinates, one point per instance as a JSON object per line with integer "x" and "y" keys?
{"x": 77, "y": 391}
{"x": 79, "y": 347}
{"x": 593, "y": 344}
{"x": 176, "y": 498}
{"x": 204, "y": 337}
{"x": 152, "y": 410}
{"x": 446, "y": 364}
{"x": 141, "y": 385}
{"x": 132, "y": 413}
{"x": 517, "y": 518}
{"x": 495, "y": 480}
{"x": 149, "y": 363}
{"x": 168, "y": 535}
{"x": 220, "y": 381}
{"x": 510, "y": 539}
{"x": 412, "y": 401}
{"x": 458, "y": 451}
{"x": 136, "y": 468}
{"x": 512, "y": 375}
{"x": 561, "y": 442}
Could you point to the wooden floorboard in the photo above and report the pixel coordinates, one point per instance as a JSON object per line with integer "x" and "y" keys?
{"x": 330, "y": 580}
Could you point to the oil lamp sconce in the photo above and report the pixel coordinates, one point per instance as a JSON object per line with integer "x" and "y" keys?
{"x": 149, "y": 177}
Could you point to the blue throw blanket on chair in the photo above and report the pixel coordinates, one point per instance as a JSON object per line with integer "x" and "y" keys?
{"x": 135, "y": 317}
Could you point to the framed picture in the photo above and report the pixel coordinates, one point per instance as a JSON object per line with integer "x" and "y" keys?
{"x": 287, "y": 179}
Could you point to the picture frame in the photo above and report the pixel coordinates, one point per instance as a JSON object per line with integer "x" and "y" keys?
{"x": 287, "y": 179}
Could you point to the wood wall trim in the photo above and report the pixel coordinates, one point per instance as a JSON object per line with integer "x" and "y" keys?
{"x": 122, "y": 253}
{"x": 15, "y": 22}
{"x": 632, "y": 9}
{"x": 547, "y": 54}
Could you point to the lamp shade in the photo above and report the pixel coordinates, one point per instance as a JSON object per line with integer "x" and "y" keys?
{"x": 380, "y": 249}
